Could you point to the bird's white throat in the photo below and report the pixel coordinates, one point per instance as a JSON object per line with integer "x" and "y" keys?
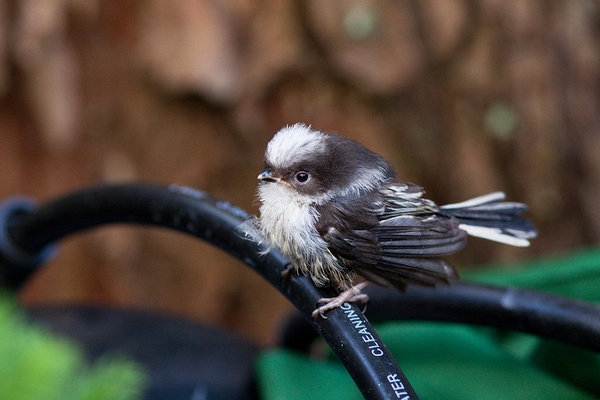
{"x": 288, "y": 223}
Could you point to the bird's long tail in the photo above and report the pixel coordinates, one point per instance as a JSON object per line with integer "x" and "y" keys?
{"x": 490, "y": 217}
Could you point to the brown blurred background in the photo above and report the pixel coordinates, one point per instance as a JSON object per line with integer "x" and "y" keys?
{"x": 463, "y": 97}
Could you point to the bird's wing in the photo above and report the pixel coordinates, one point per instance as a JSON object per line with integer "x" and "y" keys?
{"x": 397, "y": 250}
{"x": 411, "y": 245}
{"x": 345, "y": 224}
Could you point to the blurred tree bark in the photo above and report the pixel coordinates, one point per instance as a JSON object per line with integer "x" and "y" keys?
{"x": 463, "y": 97}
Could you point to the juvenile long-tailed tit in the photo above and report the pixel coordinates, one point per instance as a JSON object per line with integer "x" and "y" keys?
{"x": 337, "y": 209}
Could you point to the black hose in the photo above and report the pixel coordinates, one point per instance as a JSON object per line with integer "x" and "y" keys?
{"x": 346, "y": 330}
{"x": 506, "y": 308}
{"x": 27, "y": 235}
{"x": 16, "y": 263}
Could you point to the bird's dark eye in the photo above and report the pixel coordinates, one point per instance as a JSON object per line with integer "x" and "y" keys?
{"x": 302, "y": 177}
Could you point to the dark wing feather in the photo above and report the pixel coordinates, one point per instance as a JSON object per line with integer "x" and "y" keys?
{"x": 420, "y": 237}
{"x": 394, "y": 251}
{"x": 400, "y": 273}
{"x": 346, "y": 225}
{"x": 360, "y": 246}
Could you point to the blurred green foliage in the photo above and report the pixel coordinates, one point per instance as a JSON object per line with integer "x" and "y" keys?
{"x": 34, "y": 364}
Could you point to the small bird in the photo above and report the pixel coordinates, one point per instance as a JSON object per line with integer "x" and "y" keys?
{"x": 336, "y": 210}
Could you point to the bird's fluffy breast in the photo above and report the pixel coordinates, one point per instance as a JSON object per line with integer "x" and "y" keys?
{"x": 290, "y": 225}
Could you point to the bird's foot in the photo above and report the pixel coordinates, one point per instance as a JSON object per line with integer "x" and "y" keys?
{"x": 287, "y": 272}
{"x": 351, "y": 295}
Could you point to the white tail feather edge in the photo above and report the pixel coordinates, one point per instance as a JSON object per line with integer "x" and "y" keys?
{"x": 494, "y": 234}
{"x": 477, "y": 201}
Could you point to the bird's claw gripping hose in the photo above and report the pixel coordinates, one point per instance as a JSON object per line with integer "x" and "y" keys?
{"x": 30, "y": 233}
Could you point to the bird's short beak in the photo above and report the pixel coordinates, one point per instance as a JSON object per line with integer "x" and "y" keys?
{"x": 267, "y": 176}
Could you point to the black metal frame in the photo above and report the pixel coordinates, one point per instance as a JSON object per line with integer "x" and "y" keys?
{"x": 28, "y": 234}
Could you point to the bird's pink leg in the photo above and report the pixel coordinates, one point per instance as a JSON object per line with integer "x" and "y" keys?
{"x": 350, "y": 295}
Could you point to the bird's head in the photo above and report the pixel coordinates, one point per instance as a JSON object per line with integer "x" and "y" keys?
{"x": 316, "y": 166}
